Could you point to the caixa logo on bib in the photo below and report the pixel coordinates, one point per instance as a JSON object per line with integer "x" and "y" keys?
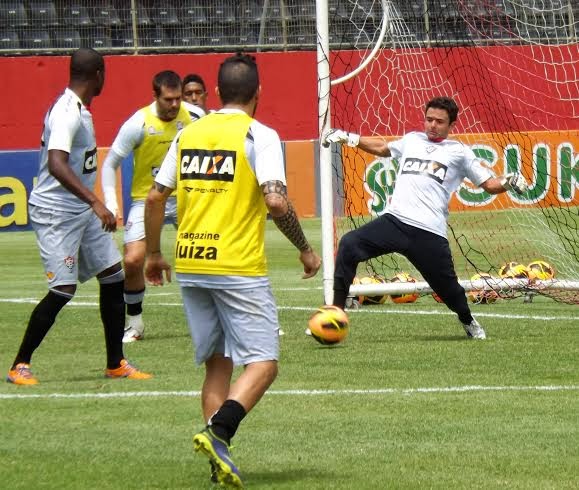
{"x": 90, "y": 162}
{"x": 208, "y": 165}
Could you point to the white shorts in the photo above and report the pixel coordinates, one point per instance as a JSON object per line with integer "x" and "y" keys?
{"x": 239, "y": 323}
{"x": 73, "y": 246}
{"x": 135, "y": 225}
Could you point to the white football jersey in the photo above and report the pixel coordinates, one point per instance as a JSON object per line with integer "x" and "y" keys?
{"x": 428, "y": 175}
{"x": 68, "y": 127}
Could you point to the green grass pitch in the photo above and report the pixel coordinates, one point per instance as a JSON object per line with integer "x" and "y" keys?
{"x": 405, "y": 402}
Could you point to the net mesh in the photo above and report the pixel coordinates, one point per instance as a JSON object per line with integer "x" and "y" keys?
{"x": 513, "y": 68}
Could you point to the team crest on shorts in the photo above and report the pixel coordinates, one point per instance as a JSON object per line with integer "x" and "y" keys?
{"x": 50, "y": 275}
{"x": 69, "y": 262}
{"x": 128, "y": 225}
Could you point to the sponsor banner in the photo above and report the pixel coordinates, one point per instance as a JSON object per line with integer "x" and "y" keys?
{"x": 549, "y": 162}
{"x": 18, "y": 173}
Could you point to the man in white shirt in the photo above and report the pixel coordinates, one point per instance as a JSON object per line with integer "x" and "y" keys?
{"x": 72, "y": 225}
{"x": 147, "y": 134}
{"x": 414, "y": 225}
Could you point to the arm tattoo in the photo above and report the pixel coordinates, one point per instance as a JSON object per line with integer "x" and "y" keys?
{"x": 288, "y": 224}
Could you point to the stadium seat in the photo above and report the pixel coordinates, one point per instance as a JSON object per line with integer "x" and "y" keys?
{"x": 42, "y": 12}
{"x": 184, "y": 36}
{"x": 251, "y": 11}
{"x": 154, "y": 37}
{"x": 13, "y": 14}
{"x": 105, "y": 14}
{"x": 36, "y": 39}
{"x": 277, "y": 10}
{"x": 303, "y": 10}
{"x": 249, "y": 35}
{"x": 302, "y": 34}
{"x": 222, "y": 11}
{"x": 218, "y": 37}
{"x": 66, "y": 38}
{"x": 192, "y": 12}
{"x": 163, "y": 13}
{"x": 9, "y": 39}
{"x": 337, "y": 8}
{"x": 75, "y": 14}
{"x": 98, "y": 38}
{"x": 124, "y": 10}
{"x": 273, "y": 34}
{"x": 122, "y": 37}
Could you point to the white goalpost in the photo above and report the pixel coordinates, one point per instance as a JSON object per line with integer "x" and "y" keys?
{"x": 513, "y": 67}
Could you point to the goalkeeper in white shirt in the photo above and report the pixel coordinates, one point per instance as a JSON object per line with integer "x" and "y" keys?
{"x": 147, "y": 134}
{"x": 415, "y": 223}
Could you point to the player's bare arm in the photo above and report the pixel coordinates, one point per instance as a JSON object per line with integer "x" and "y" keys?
{"x": 154, "y": 217}
{"x": 60, "y": 169}
{"x": 285, "y": 218}
{"x": 375, "y": 146}
{"x": 512, "y": 181}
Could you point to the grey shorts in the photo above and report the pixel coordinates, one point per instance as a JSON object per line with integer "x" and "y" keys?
{"x": 239, "y": 323}
{"x": 73, "y": 246}
{"x": 135, "y": 226}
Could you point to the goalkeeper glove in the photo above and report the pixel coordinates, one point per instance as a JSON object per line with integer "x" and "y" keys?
{"x": 514, "y": 182}
{"x": 340, "y": 136}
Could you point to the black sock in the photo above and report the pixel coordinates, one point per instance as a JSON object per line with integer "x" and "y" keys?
{"x": 134, "y": 309}
{"x": 112, "y": 308}
{"x": 226, "y": 420}
{"x": 41, "y": 319}
{"x": 340, "y": 296}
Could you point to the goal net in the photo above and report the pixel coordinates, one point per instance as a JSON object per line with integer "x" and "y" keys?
{"x": 513, "y": 68}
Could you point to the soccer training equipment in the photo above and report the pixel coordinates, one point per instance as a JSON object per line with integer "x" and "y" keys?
{"x": 539, "y": 269}
{"x": 381, "y": 62}
{"x": 474, "y": 330}
{"x": 482, "y": 296}
{"x": 374, "y": 299}
{"x": 127, "y": 370}
{"x": 329, "y": 325}
{"x": 403, "y": 298}
{"x": 513, "y": 270}
{"x": 21, "y": 375}
{"x": 340, "y": 136}
{"x": 218, "y": 453}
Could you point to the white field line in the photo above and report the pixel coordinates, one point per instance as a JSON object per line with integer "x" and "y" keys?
{"x": 369, "y": 392}
{"x": 373, "y": 311}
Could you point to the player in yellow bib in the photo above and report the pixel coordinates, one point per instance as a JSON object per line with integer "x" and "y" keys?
{"x": 229, "y": 173}
{"x": 147, "y": 134}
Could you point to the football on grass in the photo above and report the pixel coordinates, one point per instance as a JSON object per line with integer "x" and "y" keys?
{"x": 329, "y": 325}
{"x": 539, "y": 269}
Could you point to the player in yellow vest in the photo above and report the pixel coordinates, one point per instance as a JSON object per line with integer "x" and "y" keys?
{"x": 229, "y": 173}
{"x": 147, "y": 134}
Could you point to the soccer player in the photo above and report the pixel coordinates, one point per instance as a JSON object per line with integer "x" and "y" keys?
{"x": 148, "y": 134}
{"x": 228, "y": 170}
{"x": 414, "y": 225}
{"x": 194, "y": 91}
{"x": 72, "y": 225}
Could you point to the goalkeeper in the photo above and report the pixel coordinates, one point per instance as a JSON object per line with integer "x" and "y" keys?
{"x": 414, "y": 225}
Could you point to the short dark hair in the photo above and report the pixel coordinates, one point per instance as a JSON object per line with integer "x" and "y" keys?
{"x": 194, "y": 78}
{"x": 85, "y": 63}
{"x": 238, "y": 79}
{"x": 167, "y": 78}
{"x": 445, "y": 103}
